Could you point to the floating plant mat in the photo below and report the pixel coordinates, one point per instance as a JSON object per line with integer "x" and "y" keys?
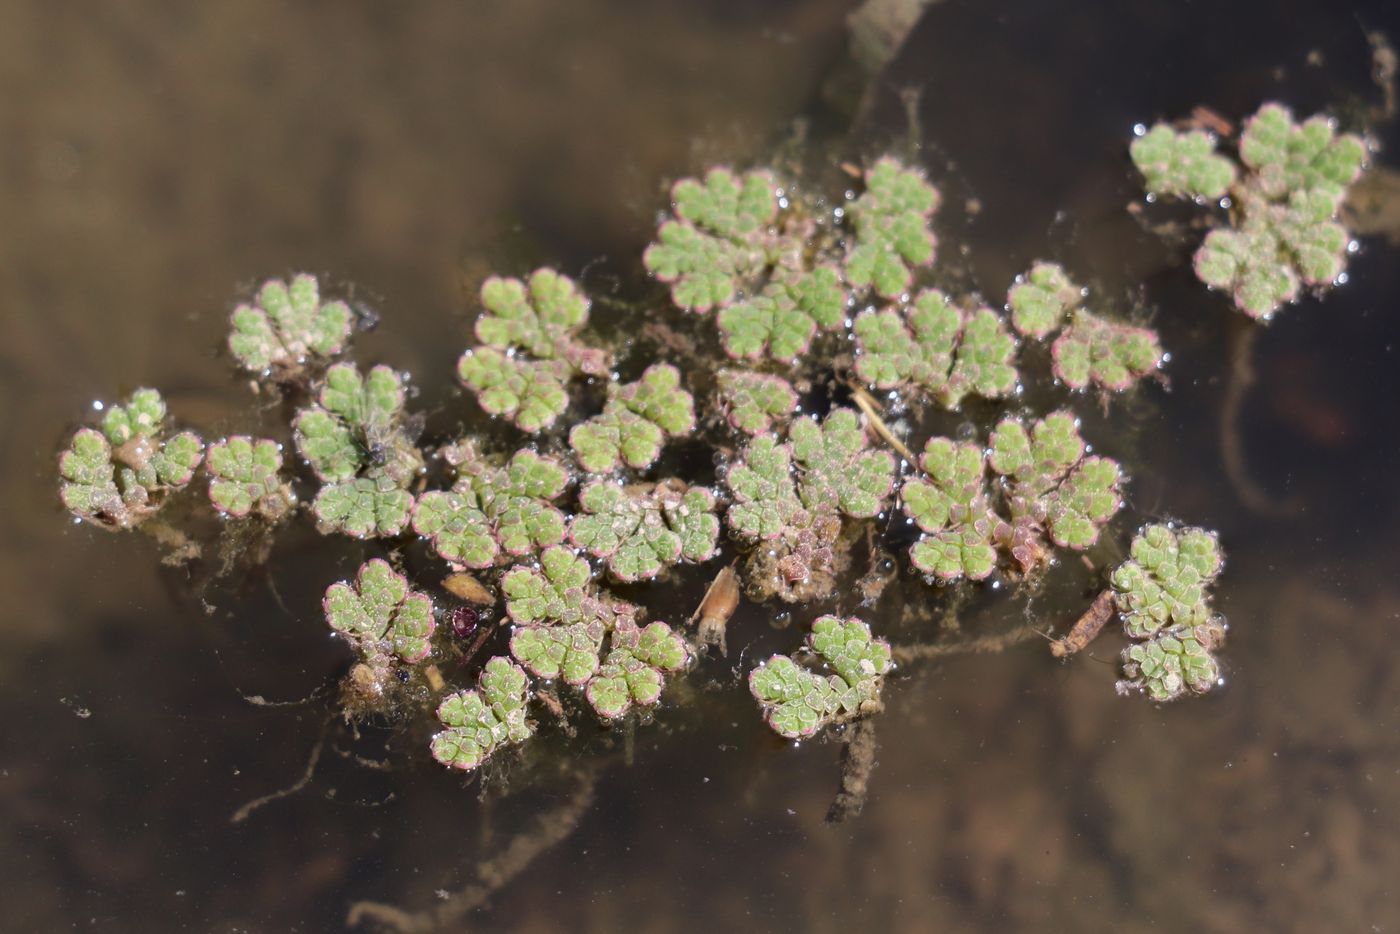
{"x": 521, "y": 579}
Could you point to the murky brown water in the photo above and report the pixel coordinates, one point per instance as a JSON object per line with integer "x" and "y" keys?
{"x": 157, "y": 158}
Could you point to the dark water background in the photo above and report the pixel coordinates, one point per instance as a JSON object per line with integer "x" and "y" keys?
{"x": 156, "y": 159}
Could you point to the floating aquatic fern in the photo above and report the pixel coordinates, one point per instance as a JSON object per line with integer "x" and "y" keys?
{"x": 799, "y": 702}
{"x": 1163, "y": 596}
{"x": 1287, "y": 192}
{"x": 798, "y": 491}
{"x": 122, "y": 475}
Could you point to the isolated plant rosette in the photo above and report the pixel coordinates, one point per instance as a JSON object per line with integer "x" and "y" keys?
{"x": 1163, "y": 595}
{"x": 122, "y": 475}
{"x": 798, "y": 702}
{"x": 288, "y": 329}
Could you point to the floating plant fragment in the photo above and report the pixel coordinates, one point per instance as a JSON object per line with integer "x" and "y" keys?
{"x": 288, "y": 327}
{"x": 1182, "y": 164}
{"x": 481, "y": 721}
{"x": 891, "y": 224}
{"x": 1040, "y": 300}
{"x": 838, "y": 467}
{"x": 755, "y": 403}
{"x": 635, "y": 669}
{"x": 530, "y": 393}
{"x": 1280, "y": 247}
{"x": 245, "y": 477}
{"x": 718, "y": 240}
{"x": 937, "y": 349}
{"x": 1110, "y": 355}
{"x": 1285, "y": 230}
{"x": 1162, "y": 593}
{"x": 1173, "y": 662}
{"x": 493, "y": 511}
{"x": 779, "y": 323}
{"x": 635, "y": 422}
{"x": 949, "y": 504}
{"x": 380, "y": 615}
{"x": 796, "y": 515}
{"x": 1053, "y": 489}
{"x": 355, "y": 439}
{"x": 1286, "y": 157}
{"x": 642, "y": 529}
{"x": 120, "y": 476}
{"x": 1165, "y": 583}
{"x": 798, "y": 702}
{"x": 539, "y": 320}
{"x": 570, "y": 652}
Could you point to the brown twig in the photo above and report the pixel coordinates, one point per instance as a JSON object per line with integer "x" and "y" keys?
{"x": 1086, "y": 628}
{"x": 866, "y": 403}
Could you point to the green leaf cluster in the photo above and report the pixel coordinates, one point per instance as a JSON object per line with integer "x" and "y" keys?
{"x": 380, "y": 614}
{"x": 481, "y": 721}
{"x": 755, "y": 403}
{"x": 798, "y": 702}
{"x": 245, "y": 476}
{"x": 1285, "y": 231}
{"x": 287, "y": 328}
{"x": 530, "y": 348}
{"x": 779, "y": 322}
{"x": 1163, "y": 595}
{"x": 1182, "y": 164}
{"x": 493, "y": 512}
{"x": 1050, "y": 494}
{"x": 640, "y": 530}
{"x": 791, "y": 497}
{"x": 355, "y": 440}
{"x": 890, "y": 220}
{"x": 121, "y": 476}
{"x": 635, "y": 422}
{"x": 635, "y": 669}
{"x": 934, "y": 347}
{"x": 719, "y": 240}
{"x": 1091, "y": 350}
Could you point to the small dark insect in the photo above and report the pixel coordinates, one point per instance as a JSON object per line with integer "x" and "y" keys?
{"x": 465, "y": 619}
{"x": 402, "y": 675}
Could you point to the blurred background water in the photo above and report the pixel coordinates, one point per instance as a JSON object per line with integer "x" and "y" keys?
{"x": 158, "y": 159}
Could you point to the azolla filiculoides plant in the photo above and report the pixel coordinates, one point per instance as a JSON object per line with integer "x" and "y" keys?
{"x": 1283, "y": 192}
{"x": 598, "y": 476}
